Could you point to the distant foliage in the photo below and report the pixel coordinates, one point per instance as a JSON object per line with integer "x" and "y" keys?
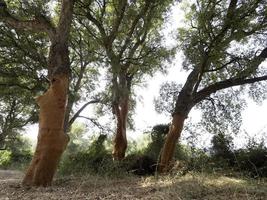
{"x": 17, "y": 154}
{"x": 250, "y": 160}
{"x": 253, "y": 159}
{"x": 157, "y": 134}
{"x": 94, "y": 159}
{"x": 165, "y": 102}
{"x": 222, "y": 149}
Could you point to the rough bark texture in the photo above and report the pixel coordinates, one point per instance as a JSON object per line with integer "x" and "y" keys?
{"x": 120, "y": 140}
{"x": 171, "y": 140}
{"x": 52, "y": 140}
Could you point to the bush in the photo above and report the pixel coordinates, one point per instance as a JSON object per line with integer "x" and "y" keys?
{"x": 17, "y": 155}
{"x": 253, "y": 159}
{"x": 158, "y": 134}
{"x": 95, "y": 159}
{"x": 222, "y": 151}
{"x": 5, "y": 158}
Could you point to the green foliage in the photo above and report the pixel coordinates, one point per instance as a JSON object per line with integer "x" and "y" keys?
{"x": 93, "y": 158}
{"x": 5, "y": 158}
{"x": 157, "y": 134}
{"x": 165, "y": 102}
{"x": 86, "y": 161}
{"x": 222, "y": 149}
{"x": 252, "y": 159}
{"x": 22, "y": 59}
{"x": 23, "y": 74}
{"x": 17, "y": 155}
{"x": 222, "y": 42}
{"x": 130, "y": 43}
{"x": 222, "y": 111}
{"x": 21, "y": 153}
{"x": 249, "y": 160}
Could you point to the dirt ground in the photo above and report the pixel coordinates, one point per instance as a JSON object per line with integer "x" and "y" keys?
{"x": 191, "y": 186}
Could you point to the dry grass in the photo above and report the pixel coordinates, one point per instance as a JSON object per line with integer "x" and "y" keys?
{"x": 191, "y": 186}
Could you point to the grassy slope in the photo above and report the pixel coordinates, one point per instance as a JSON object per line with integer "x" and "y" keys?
{"x": 193, "y": 186}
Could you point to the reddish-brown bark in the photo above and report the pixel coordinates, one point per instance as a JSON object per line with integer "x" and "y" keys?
{"x": 52, "y": 140}
{"x": 171, "y": 140}
{"x": 120, "y": 140}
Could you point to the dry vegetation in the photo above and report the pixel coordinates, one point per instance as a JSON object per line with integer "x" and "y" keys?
{"x": 191, "y": 186}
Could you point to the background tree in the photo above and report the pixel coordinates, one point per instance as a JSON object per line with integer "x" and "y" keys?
{"x": 129, "y": 34}
{"x": 224, "y": 44}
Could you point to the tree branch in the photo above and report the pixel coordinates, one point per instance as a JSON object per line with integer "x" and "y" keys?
{"x": 65, "y": 19}
{"x": 97, "y": 23}
{"x": 94, "y": 121}
{"x": 133, "y": 26}
{"x": 119, "y": 17}
{"x": 204, "y": 93}
{"x": 39, "y": 24}
{"x": 74, "y": 117}
{"x": 223, "y": 66}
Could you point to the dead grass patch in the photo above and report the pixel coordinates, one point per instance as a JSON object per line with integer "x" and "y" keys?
{"x": 191, "y": 186}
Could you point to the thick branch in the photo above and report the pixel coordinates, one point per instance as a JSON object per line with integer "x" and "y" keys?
{"x": 65, "y": 19}
{"x": 97, "y": 23}
{"x": 39, "y": 24}
{"x": 133, "y": 27}
{"x": 202, "y": 94}
{"x": 240, "y": 79}
{"x": 223, "y": 66}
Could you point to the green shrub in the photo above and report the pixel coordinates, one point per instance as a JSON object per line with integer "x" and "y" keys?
{"x": 5, "y": 158}
{"x": 158, "y": 134}
{"x": 95, "y": 159}
{"x": 222, "y": 151}
{"x": 17, "y": 155}
{"x": 252, "y": 159}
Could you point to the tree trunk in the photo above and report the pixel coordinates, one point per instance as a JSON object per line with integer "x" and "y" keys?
{"x": 120, "y": 141}
{"x": 52, "y": 140}
{"x": 51, "y": 137}
{"x": 171, "y": 140}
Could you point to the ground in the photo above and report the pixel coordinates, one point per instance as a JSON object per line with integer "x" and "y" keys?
{"x": 190, "y": 186}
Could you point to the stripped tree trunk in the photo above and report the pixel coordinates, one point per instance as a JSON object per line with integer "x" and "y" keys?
{"x": 184, "y": 104}
{"x": 120, "y": 140}
{"x": 52, "y": 140}
{"x": 121, "y": 94}
{"x": 173, "y": 136}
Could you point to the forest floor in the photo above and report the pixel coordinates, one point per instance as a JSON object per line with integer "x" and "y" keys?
{"x": 190, "y": 186}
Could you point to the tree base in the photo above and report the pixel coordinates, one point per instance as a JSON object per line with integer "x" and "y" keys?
{"x": 50, "y": 147}
{"x": 170, "y": 143}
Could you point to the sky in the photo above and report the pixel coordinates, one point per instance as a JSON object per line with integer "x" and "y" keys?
{"x": 254, "y": 116}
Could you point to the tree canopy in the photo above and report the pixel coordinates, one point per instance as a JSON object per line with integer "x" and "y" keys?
{"x": 224, "y": 46}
